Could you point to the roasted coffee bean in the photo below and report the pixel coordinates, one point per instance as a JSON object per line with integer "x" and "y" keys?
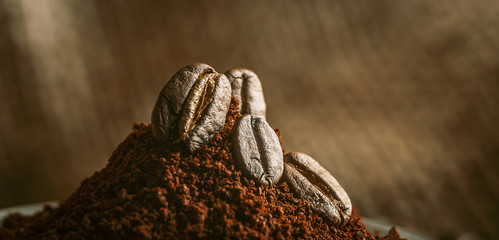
{"x": 247, "y": 88}
{"x": 311, "y": 182}
{"x": 192, "y": 106}
{"x": 257, "y": 150}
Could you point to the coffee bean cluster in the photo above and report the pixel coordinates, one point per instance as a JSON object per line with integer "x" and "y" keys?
{"x": 192, "y": 107}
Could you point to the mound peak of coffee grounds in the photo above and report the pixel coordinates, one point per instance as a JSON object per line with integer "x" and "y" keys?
{"x": 151, "y": 191}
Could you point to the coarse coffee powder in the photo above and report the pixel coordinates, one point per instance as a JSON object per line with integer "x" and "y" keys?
{"x": 150, "y": 190}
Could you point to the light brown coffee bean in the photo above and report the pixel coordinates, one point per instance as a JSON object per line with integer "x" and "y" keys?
{"x": 311, "y": 182}
{"x": 192, "y": 106}
{"x": 247, "y": 88}
{"x": 257, "y": 150}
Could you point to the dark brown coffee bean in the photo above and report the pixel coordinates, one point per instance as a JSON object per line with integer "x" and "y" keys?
{"x": 257, "y": 150}
{"x": 313, "y": 183}
{"x": 192, "y": 106}
{"x": 247, "y": 88}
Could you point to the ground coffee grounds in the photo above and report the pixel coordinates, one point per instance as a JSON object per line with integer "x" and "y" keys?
{"x": 151, "y": 191}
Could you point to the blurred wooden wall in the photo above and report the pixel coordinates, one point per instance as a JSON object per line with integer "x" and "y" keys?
{"x": 398, "y": 99}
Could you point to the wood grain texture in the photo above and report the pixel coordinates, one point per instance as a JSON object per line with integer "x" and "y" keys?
{"x": 398, "y": 99}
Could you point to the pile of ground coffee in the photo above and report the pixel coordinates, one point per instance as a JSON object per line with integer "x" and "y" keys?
{"x": 152, "y": 191}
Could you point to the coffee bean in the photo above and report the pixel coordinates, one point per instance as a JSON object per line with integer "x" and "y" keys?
{"x": 311, "y": 182}
{"x": 191, "y": 107}
{"x": 257, "y": 150}
{"x": 247, "y": 88}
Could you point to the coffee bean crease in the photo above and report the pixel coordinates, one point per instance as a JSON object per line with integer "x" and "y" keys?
{"x": 191, "y": 107}
{"x": 246, "y": 86}
{"x": 310, "y": 181}
{"x": 257, "y": 150}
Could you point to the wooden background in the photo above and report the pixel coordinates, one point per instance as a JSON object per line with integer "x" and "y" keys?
{"x": 398, "y": 99}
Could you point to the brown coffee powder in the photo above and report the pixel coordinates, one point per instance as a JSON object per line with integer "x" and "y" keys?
{"x": 151, "y": 191}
